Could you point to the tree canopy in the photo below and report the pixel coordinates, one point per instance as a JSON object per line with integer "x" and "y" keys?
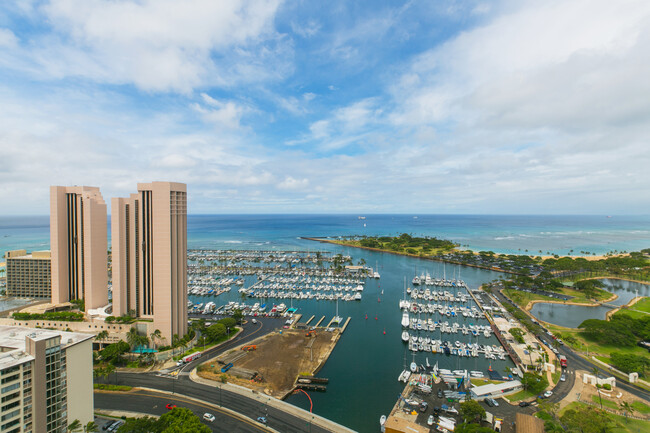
{"x": 177, "y": 420}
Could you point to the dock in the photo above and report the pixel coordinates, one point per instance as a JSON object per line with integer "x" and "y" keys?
{"x": 345, "y": 325}
{"x": 321, "y": 319}
{"x": 309, "y": 320}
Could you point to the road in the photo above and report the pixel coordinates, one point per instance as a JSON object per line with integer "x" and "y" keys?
{"x": 181, "y": 385}
{"x": 577, "y": 362}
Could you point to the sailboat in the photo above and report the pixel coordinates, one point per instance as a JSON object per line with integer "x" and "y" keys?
{"x": 405, "y": 336}
{"x": 405, "y": 319}
{"x": 337, "y": 319}
{"x": 413, "y": 366}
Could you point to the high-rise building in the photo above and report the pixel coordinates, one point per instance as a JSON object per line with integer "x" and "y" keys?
{"x": 78, "y": 240}
{"x": 149, "y": 247}
{"x": 29, "y": 275}
{"x": 47, "y": 379}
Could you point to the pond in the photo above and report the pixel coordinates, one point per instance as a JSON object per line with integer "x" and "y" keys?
{"x": 571, "y": 316}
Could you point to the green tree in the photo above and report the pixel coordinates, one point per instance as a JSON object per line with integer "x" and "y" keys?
{"x": 102, "y": 336}
{"x": 182, "y": 420}
{"x": 113, "y": 352}
{"x": 472, "y": 428}
{"x": 91, "y": 427}
{"x": 216, "y": 331}
{"x": 75, "y": 426}
{"x": 237, "y": 315}
{"x": 133, "y": 338}
{"x": 626, "y": 408}
{"x": 584, "y": 419}
{"x": 155, "y": 335}
{"x": 472, "y": 411}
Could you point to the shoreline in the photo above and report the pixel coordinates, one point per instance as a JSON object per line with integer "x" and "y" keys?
{"x": 634, "y": 300}
{"x": 530, "y": 304}
{"x": 415, "y": 256}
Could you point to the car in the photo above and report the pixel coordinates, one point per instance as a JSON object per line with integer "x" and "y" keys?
{"x": 115, "y": 426}
{"x": 488, "y": 401}
{"x": 494, "y": 402}
{"x": 109, "y": 425}
{"x": 424, "y": 406}
{"x": 261, "y": 419}
{"x": 524, "y": 403}
{"x": 555, "y": 350}
{"x": 563, "y": 378}
{"x": 208, "y": 417}
{"x": 254, "y": 321}
{"x": 440, "y": 393}
{"x": 170, "y": 406}
{"x": 547, "y": 394}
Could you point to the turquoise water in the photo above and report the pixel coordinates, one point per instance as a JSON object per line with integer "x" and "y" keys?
{"x": 364, "y": 367}
{"x": 499, "y": 233}
{"x": 572, "y": 316}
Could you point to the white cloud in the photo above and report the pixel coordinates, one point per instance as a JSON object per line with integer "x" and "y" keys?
{"x": 306, "y": 30}
{"x": 159, "y": 45}
{"x": 7, "y": 38}
{"x": 291, "y": 183}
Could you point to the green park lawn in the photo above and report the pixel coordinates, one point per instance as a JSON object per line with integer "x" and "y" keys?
{"x": 575, "y": 339}
{"x": 638, "y": 310}
{"x": 622, "y": 425}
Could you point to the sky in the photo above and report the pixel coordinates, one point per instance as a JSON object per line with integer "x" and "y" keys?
{"x": 266, "y": 106}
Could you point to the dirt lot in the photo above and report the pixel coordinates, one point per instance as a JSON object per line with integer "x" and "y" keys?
{"x": 279, "y": 359}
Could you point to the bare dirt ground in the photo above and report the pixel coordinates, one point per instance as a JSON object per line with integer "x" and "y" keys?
{"x": 279, "y": 359}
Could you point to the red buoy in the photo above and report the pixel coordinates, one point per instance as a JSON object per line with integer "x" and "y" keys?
{"x": 384, "y": 331}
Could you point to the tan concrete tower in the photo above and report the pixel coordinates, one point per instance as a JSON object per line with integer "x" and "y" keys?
{"x": 149, "y": 239}
{"x": 78, "y": 241}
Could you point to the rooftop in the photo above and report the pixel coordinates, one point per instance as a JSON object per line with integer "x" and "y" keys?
{"x": 12, "y": 342}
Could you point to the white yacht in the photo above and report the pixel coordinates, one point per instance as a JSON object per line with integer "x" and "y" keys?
{"x": 405, "y": 319}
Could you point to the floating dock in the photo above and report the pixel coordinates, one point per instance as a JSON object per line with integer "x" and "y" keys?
{"x": 321, "y": 319}
{"x": 345, "y": 325}
{"x": 310, "y": 319}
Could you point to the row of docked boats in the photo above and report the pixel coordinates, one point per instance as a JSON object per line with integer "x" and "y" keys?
{"x": 259, "y": 256}
{"x": 256, "y": 309}
{"x": 341, "y": 296}
{"x": 457, "y": 348}
{"x": 428, "y": 280}
{"x": 441, "y": 309}
{"x": 437, "y": 295}
{"x": 429, "y": 325}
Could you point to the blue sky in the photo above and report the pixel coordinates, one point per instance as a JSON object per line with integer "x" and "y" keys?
{"x": 361, "y": 107}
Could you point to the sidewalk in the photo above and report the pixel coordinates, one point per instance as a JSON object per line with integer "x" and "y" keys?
{"x": 275, "y": 403}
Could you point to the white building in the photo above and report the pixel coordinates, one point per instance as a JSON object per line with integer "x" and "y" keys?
{"x": 46, "y": 380}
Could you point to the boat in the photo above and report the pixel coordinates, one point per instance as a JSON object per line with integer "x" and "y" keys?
{"x": 405, "y": 336}
{"x": 430, "y": 420}
{"x": 414, "y": 367}
{"x": 382, "y": 423}
{"x": 405, "y": 319}
{"x": 476, "y": 374}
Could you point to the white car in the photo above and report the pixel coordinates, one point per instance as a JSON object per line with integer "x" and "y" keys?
{"x": 547, "y": 394}
{"x": 208, "y": 417}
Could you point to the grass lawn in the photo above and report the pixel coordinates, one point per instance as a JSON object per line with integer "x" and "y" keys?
{"x": 640, "y": 407}
{"x": 622, "y": 425}
{"x": 107, "y": 387}
{"x": 638, "y": 310}
{"x": 556, "y": 375}
{"x": 576, "y": 340}
{"x": 521, "y": 395}
{"x": 523, "y": 298}
{"x": 606, "y": 403}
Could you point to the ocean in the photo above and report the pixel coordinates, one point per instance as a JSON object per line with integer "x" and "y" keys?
{"x": 364, "y": 367}
{"x": 499, "y": 233}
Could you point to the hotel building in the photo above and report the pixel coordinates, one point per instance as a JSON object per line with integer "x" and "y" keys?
{"x": 149, "y": 247}
{"x": 46, "y": 380}
{"x": 78, "y": 240}
{"x": 29, "y": 275}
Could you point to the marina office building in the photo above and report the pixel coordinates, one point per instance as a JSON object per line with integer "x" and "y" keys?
{"x": 29, "y": 275}
{"x": 46, "y": 379}
{"x": 78, "y": 240}
{"x": 149, "y": 250}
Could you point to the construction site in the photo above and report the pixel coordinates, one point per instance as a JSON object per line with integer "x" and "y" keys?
{"x": 277, "y": 363}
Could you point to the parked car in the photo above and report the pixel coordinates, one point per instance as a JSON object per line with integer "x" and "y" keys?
{"x": 524, "y": 403}
{"x": 563, "y": 378}
{"x": 254, "y": 321}
{"x": 208, "y": 417}
{"x": 424, "y": 406}
{"x": 494, "y": 402}
{"x": 488, "y": 401}
{"x": 547, "y": 394}
{"x": 440, "y": 393}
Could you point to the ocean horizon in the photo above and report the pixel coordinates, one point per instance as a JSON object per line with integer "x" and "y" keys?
{"x": 511, "y": 234}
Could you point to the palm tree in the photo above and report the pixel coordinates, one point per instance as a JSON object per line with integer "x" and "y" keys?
{"x": 110, "y": 368}
{"x": 91, "y": 427}
{"x": 529, "y": 348}
{"x": 154, "y": 336}
{"x": 75, "y": 426}
{"x": 132, "y": 338}
{"x": 626, "y": 408}
{"x": 595, "y": 372}
{"x": 101, "y": 337}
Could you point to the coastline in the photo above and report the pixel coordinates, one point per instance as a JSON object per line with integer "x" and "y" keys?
{"x": 530, "y": 304}
{"x": 633, "y": 301}
{"x": 434, "y": 259}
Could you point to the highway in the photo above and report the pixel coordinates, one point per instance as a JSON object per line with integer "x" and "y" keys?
{"x": 181, "y": 385}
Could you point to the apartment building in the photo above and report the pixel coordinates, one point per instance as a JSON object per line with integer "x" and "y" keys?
{"x": 29, "y": 275}
{"x": 149, "y": 248}
{"x": 78, "y": 240}
{"x": 46, "y": 380}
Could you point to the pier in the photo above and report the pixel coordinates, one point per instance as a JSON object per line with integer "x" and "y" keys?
{"x": 321, "y": 319}
{"x": 309, "y": 320}
{"x": 345, "y": 325}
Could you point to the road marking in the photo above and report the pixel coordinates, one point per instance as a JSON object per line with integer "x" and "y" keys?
{"x": 203, "y": 404}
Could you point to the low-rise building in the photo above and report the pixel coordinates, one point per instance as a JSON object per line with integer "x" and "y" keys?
{"x": 29, "y": 275}
{"x": 46, "y": 380}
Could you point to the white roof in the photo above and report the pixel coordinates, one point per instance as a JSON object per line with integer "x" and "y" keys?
{"x": 496, "y": 387}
